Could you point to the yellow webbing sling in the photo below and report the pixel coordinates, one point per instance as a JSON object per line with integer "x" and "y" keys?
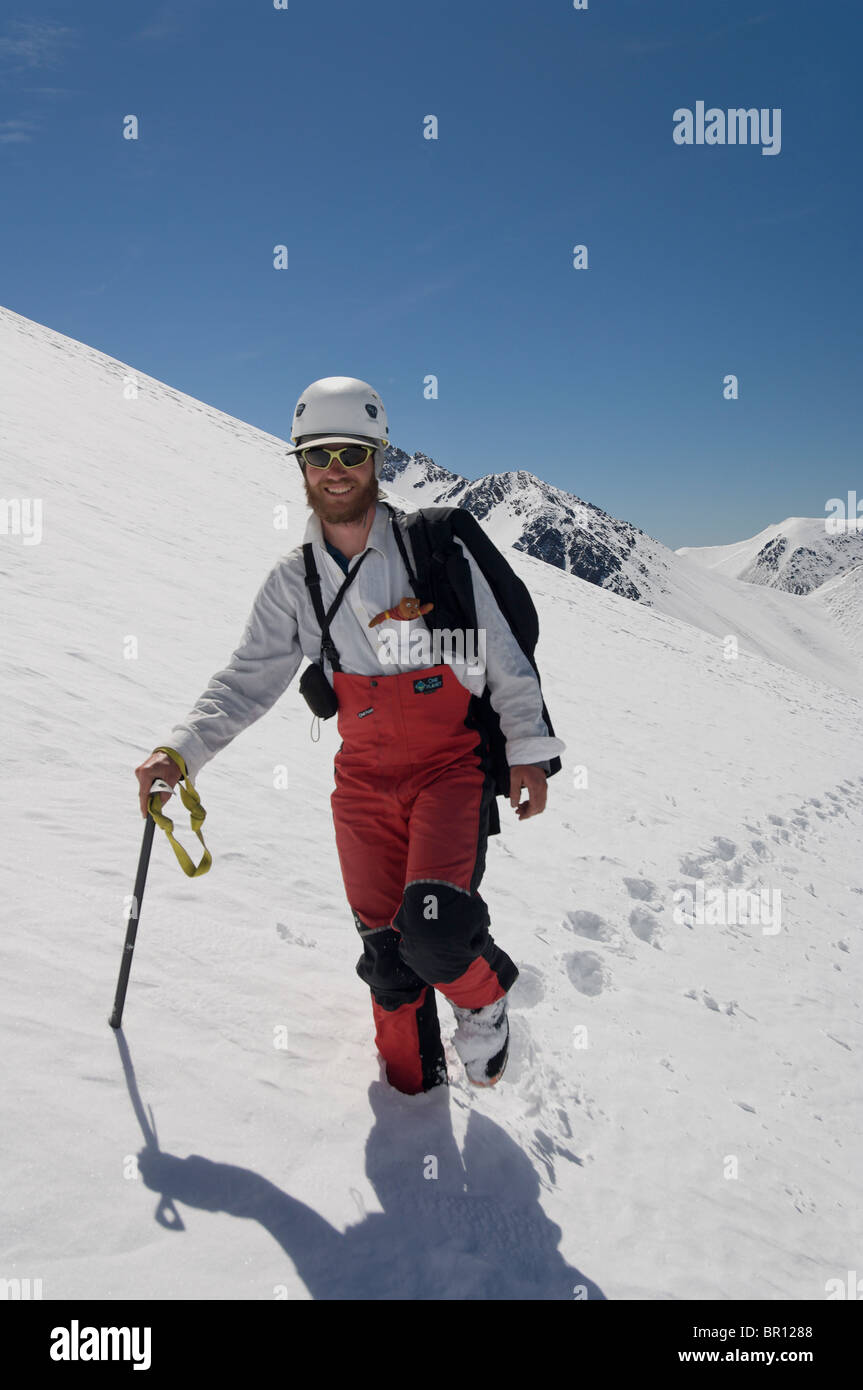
{"x": 192, "y": 803}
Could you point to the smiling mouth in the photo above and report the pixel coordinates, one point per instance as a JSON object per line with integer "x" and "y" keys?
{"x": 341, "y": 491}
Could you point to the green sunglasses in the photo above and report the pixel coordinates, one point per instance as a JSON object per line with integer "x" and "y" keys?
{"x": 349, "y": 455}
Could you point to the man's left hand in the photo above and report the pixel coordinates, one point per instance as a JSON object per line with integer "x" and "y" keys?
{"x": 527, "y": 775}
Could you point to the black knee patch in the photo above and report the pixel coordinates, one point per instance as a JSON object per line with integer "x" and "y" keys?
{"x": 443, "y": 929}
{"x": 390, "y": 979}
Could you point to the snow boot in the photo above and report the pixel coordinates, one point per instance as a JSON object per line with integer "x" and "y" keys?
{"x": 482, "y": 1041}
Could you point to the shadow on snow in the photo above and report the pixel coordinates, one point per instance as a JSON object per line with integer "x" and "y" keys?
{"x": 477, "y": 1231}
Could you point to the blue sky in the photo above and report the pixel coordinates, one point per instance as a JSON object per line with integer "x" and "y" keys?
{"x": 453, "y": 257}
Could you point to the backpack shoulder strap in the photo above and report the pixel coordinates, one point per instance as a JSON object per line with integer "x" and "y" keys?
{"x": 398, "y": 518}
{"x": 426, "y": 546}
{"x": 512, "y": 594}
{"x": 313, "y": 584}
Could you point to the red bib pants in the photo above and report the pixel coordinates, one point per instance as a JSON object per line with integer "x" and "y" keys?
{"x": 410, "y": 809}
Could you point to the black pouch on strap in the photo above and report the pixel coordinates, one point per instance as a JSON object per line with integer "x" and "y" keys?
{"x": 317, "y": 692}
{"x": 314, "y": 686}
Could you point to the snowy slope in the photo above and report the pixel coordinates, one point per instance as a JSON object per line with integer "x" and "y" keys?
{"x": 520, "y": 510}
{"x": 797, "y": 555}
{"x": 270, "y": 1171}
{"x": 842, "y": 598}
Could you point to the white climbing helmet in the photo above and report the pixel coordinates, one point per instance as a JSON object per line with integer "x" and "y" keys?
{"x": 340, "y": 410}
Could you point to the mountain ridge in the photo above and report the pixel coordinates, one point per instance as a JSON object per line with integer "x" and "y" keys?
{"x": 798, "y": 555}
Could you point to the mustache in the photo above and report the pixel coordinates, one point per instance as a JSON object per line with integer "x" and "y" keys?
{"x": 364, "y": 497}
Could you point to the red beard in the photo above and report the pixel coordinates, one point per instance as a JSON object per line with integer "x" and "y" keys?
{"x": 331, "y": 510}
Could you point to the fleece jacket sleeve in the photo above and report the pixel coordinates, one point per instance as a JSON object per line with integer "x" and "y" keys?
{"x": 259, "y": 671}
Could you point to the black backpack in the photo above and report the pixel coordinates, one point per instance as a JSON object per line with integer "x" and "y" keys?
{"x": 443, "y": 578}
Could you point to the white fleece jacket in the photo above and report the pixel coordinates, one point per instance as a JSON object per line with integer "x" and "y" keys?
{"x": 282, "y": 630}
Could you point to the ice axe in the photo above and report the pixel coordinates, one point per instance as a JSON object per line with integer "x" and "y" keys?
{"x": 156, "y": 790}
{"x": 192, "y": 802}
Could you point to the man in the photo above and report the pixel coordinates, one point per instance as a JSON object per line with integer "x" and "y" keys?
{"x": 413, "y": 786}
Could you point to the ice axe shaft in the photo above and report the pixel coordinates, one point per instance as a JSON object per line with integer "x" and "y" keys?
{"x": 116, "y": 1018}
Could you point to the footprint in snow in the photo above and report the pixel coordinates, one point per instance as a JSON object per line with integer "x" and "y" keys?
{"x": 725, "y": 849}
{"x": 643, "y": 924}
{"x": 640, "y": 888}
{"x": 528, "y": 990}
{"x": 587, "y": 972}
{"x": 760, "y": 850}
{"x": 295, "y": 938}
{"x": 588, "y": 924}
{"x": 694, "y": 864}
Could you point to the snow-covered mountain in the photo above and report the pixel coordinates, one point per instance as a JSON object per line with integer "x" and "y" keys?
{"x": 521, "y": 511}
{"x": 797, "y": 555}
{"x": 681, "y": 1114}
